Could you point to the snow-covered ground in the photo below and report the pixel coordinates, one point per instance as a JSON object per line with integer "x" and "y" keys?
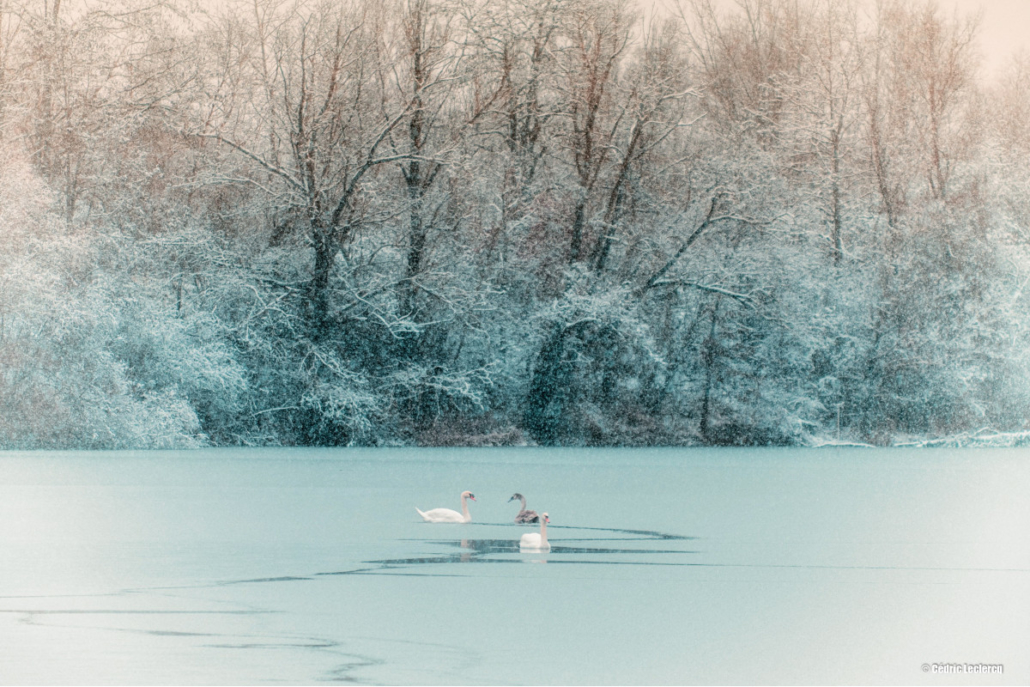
{"x": 834, "y": 565}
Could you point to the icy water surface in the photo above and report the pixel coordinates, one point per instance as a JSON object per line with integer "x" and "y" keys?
{"x": 667, "y": 566}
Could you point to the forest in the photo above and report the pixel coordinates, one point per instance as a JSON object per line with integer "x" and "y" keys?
{"x": 508, "y": 222}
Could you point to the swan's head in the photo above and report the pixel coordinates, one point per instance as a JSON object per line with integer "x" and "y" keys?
{"x": 545, "y": 518}
{"x": 468, "y": 495}
{"x": 516, "y": 497}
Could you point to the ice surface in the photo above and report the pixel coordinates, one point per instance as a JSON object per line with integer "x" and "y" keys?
{"x": 667, "y": 566}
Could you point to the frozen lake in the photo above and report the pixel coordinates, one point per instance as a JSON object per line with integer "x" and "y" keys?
{"x": 667, "y": 566}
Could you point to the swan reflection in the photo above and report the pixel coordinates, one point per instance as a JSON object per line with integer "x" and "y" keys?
{"x": 530, "y": 548}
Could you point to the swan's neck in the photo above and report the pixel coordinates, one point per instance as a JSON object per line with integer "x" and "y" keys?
{"x": 523, "y": 499}
{"x": 465, "y": 508}
{"x": 543, "y": 530}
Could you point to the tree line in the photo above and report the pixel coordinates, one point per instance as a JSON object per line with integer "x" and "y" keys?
{"x": 485, "y": 222}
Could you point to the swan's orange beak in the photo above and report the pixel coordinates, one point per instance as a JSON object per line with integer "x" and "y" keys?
{"x": 547, "y": 519}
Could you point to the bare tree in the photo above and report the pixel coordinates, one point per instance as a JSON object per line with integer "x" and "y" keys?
{"x": 320, "y": 121}
{"x": 824, "y": 100}
{"x": 742, "y": 57}
{"x": 598, "y": 37}
{"x": 915, "y": 72}
{"x": 651, "y": 103}
{"x": 513, "y": 49}
{"x": 424, "y": 74}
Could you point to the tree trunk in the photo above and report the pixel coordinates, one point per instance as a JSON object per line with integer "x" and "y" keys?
{"x": 325, "y": 258}
{"x": 416, "y": 243}
{"x": 838, "y": 246}
{"x": 545, "y": 406}
{"x": 578, "y": 220}
{"x": 709, "y": 355}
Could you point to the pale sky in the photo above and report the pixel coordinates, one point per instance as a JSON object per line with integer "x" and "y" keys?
{"x": 1005, "y": 28}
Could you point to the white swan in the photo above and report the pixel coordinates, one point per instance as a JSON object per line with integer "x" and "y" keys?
{"x": 531, "y": 541}
{"x": 448, "y": 515}
{"x": 524, "y": 515}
